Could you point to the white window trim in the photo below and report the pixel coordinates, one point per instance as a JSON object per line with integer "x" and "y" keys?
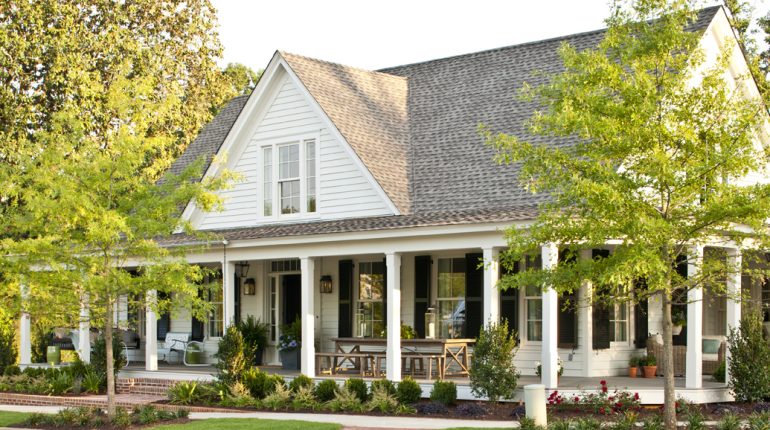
{"x": 436, "y": 299}
{"x": 275, "y": 162}
{"x": 523, "y": 335}
{"x": 627, "y": 342}
{"x": 357, "y": 297}
{"x": 207, "y": 329}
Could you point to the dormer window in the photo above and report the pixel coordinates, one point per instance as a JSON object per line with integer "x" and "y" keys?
{"x": 289, "y": 178}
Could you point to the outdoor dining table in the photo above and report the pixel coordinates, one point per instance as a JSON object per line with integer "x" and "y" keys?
{"x": 454, "y": 351}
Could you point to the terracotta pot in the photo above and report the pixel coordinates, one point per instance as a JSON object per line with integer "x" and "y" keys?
{"x": 649, "y": 371}
{"x": 632, "y": 372}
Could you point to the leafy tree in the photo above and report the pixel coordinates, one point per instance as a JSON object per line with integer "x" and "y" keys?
{"x": 241, "y": 78}
{"x": 657, "y": 164}
{"x": 92, "y": 206}
{"x": 492, "y": 372}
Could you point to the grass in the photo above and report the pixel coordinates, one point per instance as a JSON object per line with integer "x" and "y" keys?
{"x": 248, "y": 424}
{"x": 8, "y": 418}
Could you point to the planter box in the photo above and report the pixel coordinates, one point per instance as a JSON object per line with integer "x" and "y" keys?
{"x": 290, "y": 359}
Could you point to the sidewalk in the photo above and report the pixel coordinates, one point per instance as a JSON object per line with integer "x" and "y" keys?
{"x": 348, "y": 421}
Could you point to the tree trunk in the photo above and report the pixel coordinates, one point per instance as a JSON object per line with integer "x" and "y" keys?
{"x": 669, "y": 392}
{"x": 110, "y": 361}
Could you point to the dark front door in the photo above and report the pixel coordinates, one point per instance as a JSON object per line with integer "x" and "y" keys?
{"x": 290, "y": 291}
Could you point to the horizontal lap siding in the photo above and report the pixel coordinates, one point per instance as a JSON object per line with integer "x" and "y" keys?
{"x": 345, "y": 192}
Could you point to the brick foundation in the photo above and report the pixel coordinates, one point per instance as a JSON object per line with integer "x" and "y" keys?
{"x": 148, "y": 386}
{"x": 94, "y": 401}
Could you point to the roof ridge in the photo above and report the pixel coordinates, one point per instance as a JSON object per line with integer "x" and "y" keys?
{"x": 332, "y": 63}
{"x": 523, "y": 44}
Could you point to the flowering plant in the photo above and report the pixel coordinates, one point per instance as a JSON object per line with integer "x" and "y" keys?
{"x": 288, "y": 342}
{"x": 560, "y": 366}
{"x": 602, "y": 402}
{"x": 291, "y": 336}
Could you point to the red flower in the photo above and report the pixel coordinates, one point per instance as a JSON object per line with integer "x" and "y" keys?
{"x": 603, "y": 382}
{"x": 604, "y": 388}
{"x": 601, "y": 410}
{"x": 577, "y": 399}
{"x": 636, "y": 396}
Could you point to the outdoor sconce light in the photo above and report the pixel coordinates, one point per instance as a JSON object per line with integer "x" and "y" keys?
{"x": 249, "y": 287}
{"x": 326, "y": 284}
{"x": 242, "y": 269}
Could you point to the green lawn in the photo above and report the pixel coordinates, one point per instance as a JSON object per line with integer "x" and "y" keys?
{"x": 8, "y": 418}
{"x": 248, "y": 424}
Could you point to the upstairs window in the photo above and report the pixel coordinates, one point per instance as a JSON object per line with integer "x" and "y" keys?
{"x": 289, "y": 178}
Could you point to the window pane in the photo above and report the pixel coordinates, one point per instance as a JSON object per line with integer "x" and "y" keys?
{"x": 267, "y": 177}
{"x": 289, "y": 192}
{"x": 532, "y": 291}
{"x": 288, "y": 161}
{"x": 534, "y": 309}
{"x": 535, "y": 331}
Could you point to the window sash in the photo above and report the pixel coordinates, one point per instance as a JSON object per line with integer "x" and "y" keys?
{"x": 450, "y": 297}
{"x": 216, "y": 320}
{"x": 290, "y": 178}
{"x": 619, "y": 322}
{"x": 371, "y": 298}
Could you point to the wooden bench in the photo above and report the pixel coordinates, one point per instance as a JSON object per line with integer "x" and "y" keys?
{"x": 425, "y": 362}
{"x": 334, "y": 361}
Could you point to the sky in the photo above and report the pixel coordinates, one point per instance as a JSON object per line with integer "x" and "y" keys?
{"x": 378, "y": 34}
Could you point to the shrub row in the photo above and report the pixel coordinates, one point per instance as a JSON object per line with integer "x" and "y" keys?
{"x": 84, "y": 417}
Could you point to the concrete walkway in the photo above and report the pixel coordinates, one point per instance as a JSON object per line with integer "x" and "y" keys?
{"x": 347, "y": 421}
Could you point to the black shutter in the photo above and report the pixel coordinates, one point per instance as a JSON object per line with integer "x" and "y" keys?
{"x": 567, "y": 314}
{"x": 601, "y": 315}
{"x": 422, "y": 272}
{"x": 509, "y": 302}
{"x": 384, "y": 296}
{"x": 641, "y": 327}
{"x": 237, "y": 307}
{"x": 345, "y": 316}
{"x": 197, "y": 330}
{"x": 164, "y": 321}
{"x": 474, "y": 279}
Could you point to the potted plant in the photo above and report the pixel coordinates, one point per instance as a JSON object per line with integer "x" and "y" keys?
{"x": 559, "y": 364}
{"x": 633, "y": 366}
{"x": 649, "y": 365}
{"x": 255, "y": 332}
{"x": 193, "y": 353}
{"x": 289, "y": 345}
{"x": 678, "y": 321}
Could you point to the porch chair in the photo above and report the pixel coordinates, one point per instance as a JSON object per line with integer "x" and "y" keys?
{"x": 174, "y": 342}
{"x": 713, "y": 354}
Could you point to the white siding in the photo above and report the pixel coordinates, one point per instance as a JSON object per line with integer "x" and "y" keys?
{"x": 344, "y": 190}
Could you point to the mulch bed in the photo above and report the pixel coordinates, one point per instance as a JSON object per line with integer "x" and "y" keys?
{"x": 107, "y": 426}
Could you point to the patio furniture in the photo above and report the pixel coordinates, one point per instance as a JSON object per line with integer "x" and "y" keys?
{"x": 713, "y": 353}
{"x": 175, "y": 342}
{"x": 655, "y": 348}
{"x": 711, "y": 359}
{"x": 450, "y": 356}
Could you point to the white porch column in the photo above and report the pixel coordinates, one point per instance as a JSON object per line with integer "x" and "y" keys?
{"x": 393, "y": 352}
{"x": 735, "y": 261}
{"x": 228, "y": 292}
{"x": 151, "y": 333}
{"x": 694, "y": 373}
{"x": 585, "y": 320}
{"x": 550, "y": 354}
{"x": 84, "y": 330}
{"x": 25, "y": 331}
{"x": 491, "y": 295}
{"x": 307, "y": 353}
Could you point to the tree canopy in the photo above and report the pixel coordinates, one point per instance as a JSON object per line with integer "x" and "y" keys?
{"x": 663, "y": 158}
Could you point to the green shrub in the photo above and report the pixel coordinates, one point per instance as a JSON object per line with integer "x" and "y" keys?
{"x": 358, "y": 387}
{"x": 325, "y": 390}
{"x": 526, "y": 423}
{"x": 407, "y": 332}
{"x": 383, "y": 399}
{"x": 7, "y": 343}
{"x": 729, "y": 422}
{"x": 750, "y": 360}
{"x": 59, "y": 384}
{"x": 719, "y": 373}
{"x": 234, "y": 356}
{"x": 653, "y": 422}
{"x": 492, "y": 373}
{"x": 99, "y": 357}
{"x": 92, "y": 382}
{"x": 121, "y": 418}
{"x": 42, "y": 335}
{"x": 385, "y": 384}
{"x": 12, "y": 370}
{"x": 305, "y": 399}
{"x": 184, "y": 393}
{"x": 759, "y": 421}
{"x": 300, "y": 382}
{"x": 408, "y": 391}
{"x": 695, "y": 420}
{"x": 345, "y": 400}
{"x": 444, "y": 392}
{"x": 279, "y": 399}
{"x": 254, "y": 334}
{"x": 587, "y": 424}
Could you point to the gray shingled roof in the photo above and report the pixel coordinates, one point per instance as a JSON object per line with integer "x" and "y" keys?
{"x": 415, "y": 127}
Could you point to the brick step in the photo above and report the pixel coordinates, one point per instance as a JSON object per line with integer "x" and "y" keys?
{"x": 149, "y": 386}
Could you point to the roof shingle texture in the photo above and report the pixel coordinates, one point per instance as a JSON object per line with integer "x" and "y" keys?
{"x": 415, "y": 127}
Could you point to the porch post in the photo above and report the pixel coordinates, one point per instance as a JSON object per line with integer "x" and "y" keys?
{"x": 550, "y": 354}
{"x": 151, "y": 333}
{"x": 228, "y": 292}
{"x": 25, "y": 331}
{"x": 393, "y": 352}
{"x": 585, "y": 320}
{"x": 84, "y": 330}
{"x": 491, "y": 295}
{"x": 734, "y": 261}
{"x": 694, "y": 372}
{"x": 307, "y": 351}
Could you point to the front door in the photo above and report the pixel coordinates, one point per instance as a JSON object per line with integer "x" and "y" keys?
{"x": 291, "y": 293}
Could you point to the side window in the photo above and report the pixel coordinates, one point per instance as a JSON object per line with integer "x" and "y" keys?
{"x": 451, "y": 297}
{"x": 370, "y": 316}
